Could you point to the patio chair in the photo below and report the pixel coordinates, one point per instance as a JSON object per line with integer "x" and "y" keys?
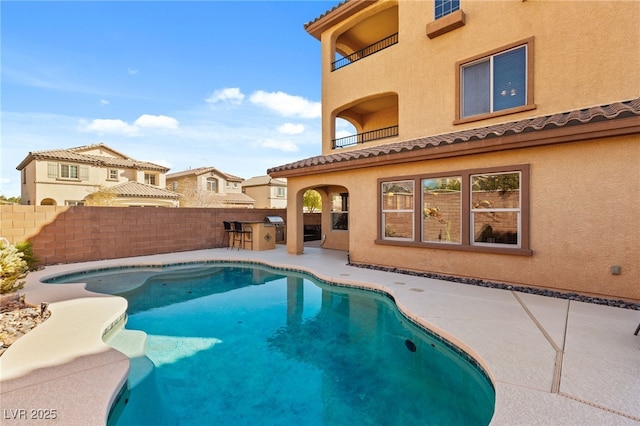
{"x": 242, "y": 234}
{"x": 228, "y": 233}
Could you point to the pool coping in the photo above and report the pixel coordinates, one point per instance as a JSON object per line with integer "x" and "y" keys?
{"x": 35, "y": 380}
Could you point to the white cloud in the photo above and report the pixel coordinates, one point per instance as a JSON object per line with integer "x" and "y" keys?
{"x": 109, "y": 126}
{"x": 282, "y": 145}
{"x": 228, "y": 95}
{"x": 132, "y": 71}
{"x": 343, "y": 134}
{"x": 156, "y": 121}
{"x": 104, "y": 102}
{"x": 287, "y": 105}
{"x": 291, "y": 129}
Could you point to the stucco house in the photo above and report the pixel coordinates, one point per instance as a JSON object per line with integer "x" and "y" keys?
{"x": 498, "y": 140}
{"x": 208, "y": 187}
{"x": 268, "y": 193}
{"x": 92, "y": 174}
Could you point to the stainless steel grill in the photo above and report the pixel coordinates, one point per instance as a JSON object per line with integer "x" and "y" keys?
{"x": 280, "y": 226}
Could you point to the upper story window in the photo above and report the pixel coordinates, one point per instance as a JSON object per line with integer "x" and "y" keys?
{"x": 281, "y": 191}
{"x": 445, "y": 7}
{"x": 67, "y": 171}
{"x": 496, "y": 83}
{"x": 113, "y": 174}
{"x": 174, "y": 186}
{"x": 150, "y": 179}
{"x": 212, "y": 184}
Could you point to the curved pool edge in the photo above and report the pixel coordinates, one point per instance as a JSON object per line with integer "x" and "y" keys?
{"x": 51, "y": 372}
{"x": 517, "y": 400}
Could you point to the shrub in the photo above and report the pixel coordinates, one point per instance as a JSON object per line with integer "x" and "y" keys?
{"x": 26, "y": 248}
{"x": 12, "y": 268}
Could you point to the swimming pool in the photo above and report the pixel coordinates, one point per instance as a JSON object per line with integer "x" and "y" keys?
{"x": 245, "y": 344}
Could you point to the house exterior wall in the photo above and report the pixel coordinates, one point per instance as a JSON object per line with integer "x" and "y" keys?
{"x": 266, "y": 196}
{"x": 39, "y": 186}
{"x": 81, "y": 234}
{"x": 580, "y": 220}
{"x": 576, "y": 44}
{"x": 583, "y": 209}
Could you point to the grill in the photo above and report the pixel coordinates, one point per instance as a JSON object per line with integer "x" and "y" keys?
{"x": 278, "y": 222}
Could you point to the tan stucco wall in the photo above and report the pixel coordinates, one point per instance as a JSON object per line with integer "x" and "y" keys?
{"x": 584, "y": 218}
{"x": 578, "y": 44}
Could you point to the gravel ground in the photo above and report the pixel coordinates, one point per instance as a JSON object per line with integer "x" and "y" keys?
{"x": 17, "y": 319}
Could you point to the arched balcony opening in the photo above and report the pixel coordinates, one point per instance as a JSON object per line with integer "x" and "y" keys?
{"x": 373, "y": 118}
{"x": 366, "y": 38}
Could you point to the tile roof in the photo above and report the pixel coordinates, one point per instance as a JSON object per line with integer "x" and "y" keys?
{"x": 202, "y": 170}
{"x": 75, "y": 155}
{"x": 137, "y": 189}
{"x": 264, "y": 180}
{"x": 590, "y": 115}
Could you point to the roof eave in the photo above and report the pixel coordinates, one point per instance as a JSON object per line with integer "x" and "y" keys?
{"x": 565, "y": 134}
{"x": 341, "y": 12}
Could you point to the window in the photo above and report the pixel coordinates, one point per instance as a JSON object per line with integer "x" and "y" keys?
{"x": 484, "y": 209}
{"x": 445, "y": 7}
{"x": 150, "y": 179}
{"x": 113, "y": 174}
{"x": 495, "y": 208}
{"x": 280, "y": 191}
{"x": 497, "y": 83}
{"x": 68, "y": 171}
{"x": 398, "y": 210}
{"x": 340, "y": 212}
{"x": 174, "y": 186}
{"x": 212, "y": 184}
{"x": 442, "y": 210}
{"x": 24, "y": 175}
{"x": 73, "y": 203}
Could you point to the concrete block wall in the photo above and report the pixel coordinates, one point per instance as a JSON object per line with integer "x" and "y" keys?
{"x": 81, "y": 233}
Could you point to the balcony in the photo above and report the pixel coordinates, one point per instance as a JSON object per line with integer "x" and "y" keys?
{"x": 372, "y": 135}
{"x": 367, "y": 51}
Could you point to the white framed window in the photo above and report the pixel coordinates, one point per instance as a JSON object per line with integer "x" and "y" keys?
{"x": 212, "y": 184}
{"x": 496, "y": 207}
{"x": 69, "y": 171}
{"x": 150, "y": 179}
{"x": 445, "y": 7}
{"x": 398, "y": 210}
{"x": 442, "y": 209}
{"x": 496, "y": 83}
{"x": 340, "y": 212}
{"x": 113, "y": 174}
{"x": 281, "y": 191}
{"x": 479, "y": 209}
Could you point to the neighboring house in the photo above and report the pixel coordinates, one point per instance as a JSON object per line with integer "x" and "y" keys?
{"x": 208, "y": 187}
{"x": 268, "y": 193}
{"x": 77, "y": 176}
{"x": 502, "y": 143}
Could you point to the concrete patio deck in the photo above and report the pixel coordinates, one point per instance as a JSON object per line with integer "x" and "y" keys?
{"x": 553, "y": 361}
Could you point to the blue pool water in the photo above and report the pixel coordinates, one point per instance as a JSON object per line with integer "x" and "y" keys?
{"x": 241, "y": 345}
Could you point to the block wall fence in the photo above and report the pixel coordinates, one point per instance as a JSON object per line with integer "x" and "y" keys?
{"x": 82, "y": 233}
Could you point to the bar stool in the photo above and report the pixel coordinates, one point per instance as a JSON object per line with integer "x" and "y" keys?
{"x": 240, "y": 233}
{"x": 228, "y": 233}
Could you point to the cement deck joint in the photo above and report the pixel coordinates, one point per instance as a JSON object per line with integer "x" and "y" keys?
{"x": 552, "y": 361}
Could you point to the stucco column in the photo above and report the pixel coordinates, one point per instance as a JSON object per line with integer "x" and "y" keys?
{"x": 295, "y": 222}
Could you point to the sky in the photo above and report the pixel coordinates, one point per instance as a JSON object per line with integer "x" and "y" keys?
{"x": 233, "y": 85}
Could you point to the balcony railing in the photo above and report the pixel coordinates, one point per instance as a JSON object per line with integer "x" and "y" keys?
{"x": 373, "y": 135}
{"x": 363, "y": 53}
